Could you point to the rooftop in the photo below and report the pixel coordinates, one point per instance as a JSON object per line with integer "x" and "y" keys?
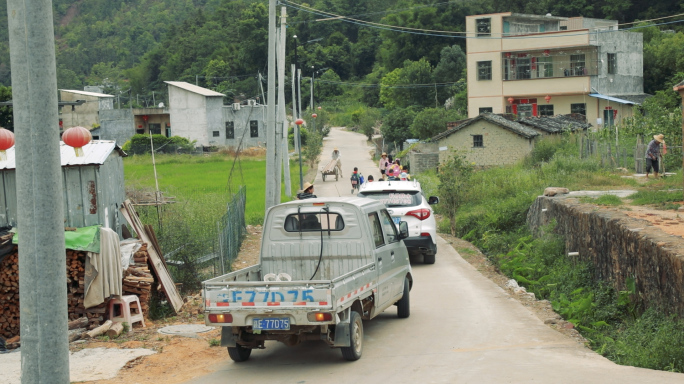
{"x": 194, "y": 88}
{"x": 499, "y": 120}
{"x": 95, "y": 153}
{"x": 86, "y": 93}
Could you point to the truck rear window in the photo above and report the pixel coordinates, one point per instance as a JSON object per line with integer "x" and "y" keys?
{"x": 314, "y": 222}
{"x": 394, "y": 198}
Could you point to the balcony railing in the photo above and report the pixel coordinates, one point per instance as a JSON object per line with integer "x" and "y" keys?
{"x": 549, "y": 63}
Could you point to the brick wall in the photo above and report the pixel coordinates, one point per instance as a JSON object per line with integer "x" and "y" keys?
{"x": 421, "y": 162}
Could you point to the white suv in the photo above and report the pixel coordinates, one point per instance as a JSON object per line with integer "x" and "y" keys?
{"x": 405, "y": 202}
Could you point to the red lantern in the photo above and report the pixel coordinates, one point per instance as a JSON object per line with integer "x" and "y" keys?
{"x": 547, "y": 98}
{"x": 547, "y": 52}
{"x": 299, "y": 121}
{"x": 511, "y": 100}
{"x": 319, "y": 108}
{"x": 77, "y": 137}
{"x": 314, "y": 115}
{"x": 6, "y": 142}
{"x": 145, "y": 118}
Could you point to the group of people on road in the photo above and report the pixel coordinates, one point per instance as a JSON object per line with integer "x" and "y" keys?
{"x": 389, "y": 170}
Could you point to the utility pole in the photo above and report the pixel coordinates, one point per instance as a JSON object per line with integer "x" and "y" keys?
{"x": 313, "y": 73}
{"x": 295, "y": 93}
{"x": 282, "y": 117}
{"x": 299, "y": 93}
{"x": 271, "y": 145}
{"x": 42, "y": 282}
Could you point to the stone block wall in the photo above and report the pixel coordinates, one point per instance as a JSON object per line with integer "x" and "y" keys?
{"x": 619, "y": 247}
{"x": 421, "y": 162}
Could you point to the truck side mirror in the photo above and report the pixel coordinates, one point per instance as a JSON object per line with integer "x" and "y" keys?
{"x": 433, "y": 200}
{"x": 403, "y": 230}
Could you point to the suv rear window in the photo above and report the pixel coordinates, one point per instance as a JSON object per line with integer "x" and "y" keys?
{"x": 394, "y": 198}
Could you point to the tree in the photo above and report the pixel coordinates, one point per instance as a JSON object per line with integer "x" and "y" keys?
{"x": 454, "y": 176}
{"x": 396, "y": 128}
{"x": 450, "y": 69}
{"x": 431, "y": 121}
{"x": 409, "y": 85}
{"x": 6, "y": 119}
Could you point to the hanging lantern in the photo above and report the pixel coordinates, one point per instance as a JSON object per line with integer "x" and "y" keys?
{"x": 6, "y": 142}
{"x": 145, "y": 118}
{"x": 319, "y": 108}
{"x": 547, "y": 98}
{"x": 511, "y": 100}
{"x": 299, "y": 121}
{"x": 547, "y": 52}
{"x": 314, "y": 115}
{"x": 77, "y": 137}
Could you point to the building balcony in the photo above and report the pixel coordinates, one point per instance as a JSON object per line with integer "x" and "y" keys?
{"x": 549, "y": 63}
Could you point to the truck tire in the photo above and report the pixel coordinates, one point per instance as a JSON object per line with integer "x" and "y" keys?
{"x": 353, "y": 352}
{"x": 428, "y": 258}
{"x": 404, "y": 304}
{"x": 239, "y": 353}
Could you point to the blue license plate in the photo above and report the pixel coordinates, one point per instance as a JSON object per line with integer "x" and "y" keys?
{"x": 271, "y": 323}
{"x": 396, "y": 219}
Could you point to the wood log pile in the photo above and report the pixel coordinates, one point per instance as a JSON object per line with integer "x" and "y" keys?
{"x": 9, "y": 295}
{"x": 137, "y": 280}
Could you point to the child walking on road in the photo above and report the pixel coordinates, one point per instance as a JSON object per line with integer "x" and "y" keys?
{"x": 355, "y": 180}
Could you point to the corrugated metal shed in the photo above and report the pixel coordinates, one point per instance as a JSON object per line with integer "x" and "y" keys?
{"x": 93, "y": 186}
{"x": 86, "y": 93}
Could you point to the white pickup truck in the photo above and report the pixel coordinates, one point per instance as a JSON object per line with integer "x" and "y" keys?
{"x": 325, "y": 265}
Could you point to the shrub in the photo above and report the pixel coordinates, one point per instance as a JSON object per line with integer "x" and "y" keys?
{"x": 140, "y": 144}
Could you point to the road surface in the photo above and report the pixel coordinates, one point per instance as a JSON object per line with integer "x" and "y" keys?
{"x": 463, "y": 328}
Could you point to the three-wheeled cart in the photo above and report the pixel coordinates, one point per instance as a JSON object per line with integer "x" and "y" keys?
{"x": 332, "y": 168}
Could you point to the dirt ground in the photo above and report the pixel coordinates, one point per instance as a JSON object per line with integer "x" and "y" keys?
{"x": 196, "y": 356}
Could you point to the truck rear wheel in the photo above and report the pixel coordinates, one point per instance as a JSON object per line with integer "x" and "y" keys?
{"x": 404, "y": 304}
{"x": 353, "y": 352}
{"x": 239, "y": 353}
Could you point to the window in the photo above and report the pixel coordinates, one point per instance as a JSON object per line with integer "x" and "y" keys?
{"x": 155, "y": 129}
{"x": 563, "y": 28}
{"x": 523, "y": 69}
{"x": 376, "y": 227}
{"x": 544, "y": 66}
{"x": 216, "y": 133}
{"x": 612, "y": 63}
{"x": 254, "y": 128}
{"x": 314, "y": 222}
{"x": 484, "y": 27}
{"x": 486, "y": 110}
{"x": 477, "y": 141}
{"x": 545, "y": 110}
{"x": 524, "y": 110}
{"x": 580, "y": 108}
{"x": 230, "y": 130}
{"x": 484, "y": 70}
{"x": 578, "y": 65}
{"x": 389, "y": 227}
{"x": 395, "y": 198}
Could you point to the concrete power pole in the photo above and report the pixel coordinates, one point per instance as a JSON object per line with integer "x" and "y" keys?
{"x": 294, "y": 105}
{"x": 42, "y": 282}
{"x": 278, "y": 126}
{"x": 271, "y": 145}
{"x": 282, "y": 115}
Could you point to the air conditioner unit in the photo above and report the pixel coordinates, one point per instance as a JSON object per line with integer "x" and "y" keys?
{"x": 251, "y": 102}
{"x": 236, "y": 106}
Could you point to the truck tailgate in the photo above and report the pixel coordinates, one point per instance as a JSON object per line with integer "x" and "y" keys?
{"x": 272, "y": 295}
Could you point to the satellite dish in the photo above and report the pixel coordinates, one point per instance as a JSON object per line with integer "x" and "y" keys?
{"x": 161, "y": 105}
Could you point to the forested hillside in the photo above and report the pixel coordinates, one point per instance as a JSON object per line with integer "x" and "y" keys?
{"x": 131, "y": 46}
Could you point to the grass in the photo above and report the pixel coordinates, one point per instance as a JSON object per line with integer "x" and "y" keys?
{"x": 492, "y": 216}
{"x": 610, "y": 200}
{"x": 206, "y": 179}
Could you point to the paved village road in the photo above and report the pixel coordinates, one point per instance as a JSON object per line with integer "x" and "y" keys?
{"x": 463, "y": 328}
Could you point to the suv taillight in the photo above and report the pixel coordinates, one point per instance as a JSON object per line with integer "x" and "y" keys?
{"x": 420, "y": 214}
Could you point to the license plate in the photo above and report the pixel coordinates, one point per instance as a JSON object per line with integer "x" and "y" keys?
{"x": 396, "y": 219}
{"x": 271, "y": 323}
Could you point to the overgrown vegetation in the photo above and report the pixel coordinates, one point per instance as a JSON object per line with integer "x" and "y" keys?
{"x": 492, "y": 215}
{"x": 140, "y": 144}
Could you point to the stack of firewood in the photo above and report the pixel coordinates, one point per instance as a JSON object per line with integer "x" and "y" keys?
{"x": 9, "y": 295}
{"x": 75, "y": 269}
{"x": 138, "y": 280}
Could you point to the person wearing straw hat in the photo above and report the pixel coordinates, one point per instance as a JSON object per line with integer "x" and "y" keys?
{"x": 653, "y": 154}
{"x": 308, "y": 190}
{"x": 336, "y": 156}
{"x": 383, "y": 164}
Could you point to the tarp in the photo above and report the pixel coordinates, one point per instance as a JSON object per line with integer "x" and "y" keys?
{"x": 103, "y": 272}
{"x": 82, "y": 239}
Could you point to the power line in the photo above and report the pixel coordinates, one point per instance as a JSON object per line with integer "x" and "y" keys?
{"x": 440, "y": 33}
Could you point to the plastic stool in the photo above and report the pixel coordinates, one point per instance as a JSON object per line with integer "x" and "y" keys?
{"x": 125, "y": 310}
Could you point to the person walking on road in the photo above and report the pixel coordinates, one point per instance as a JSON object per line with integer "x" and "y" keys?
{"x": 653, "y": 154}
{"x": 336, "y": 156}
{"x": 383, "y": 164}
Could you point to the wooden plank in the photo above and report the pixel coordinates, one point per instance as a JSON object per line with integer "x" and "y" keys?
{"x": 153, "y": 236}
{"x": 159, "y": 268}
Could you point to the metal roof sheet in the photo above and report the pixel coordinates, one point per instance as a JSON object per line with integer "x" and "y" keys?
{"x": 95, "y": 94}
{"x": 96, "y": 152}
{"x": 194, "y": 88}
{"x": 637, "y": 99}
